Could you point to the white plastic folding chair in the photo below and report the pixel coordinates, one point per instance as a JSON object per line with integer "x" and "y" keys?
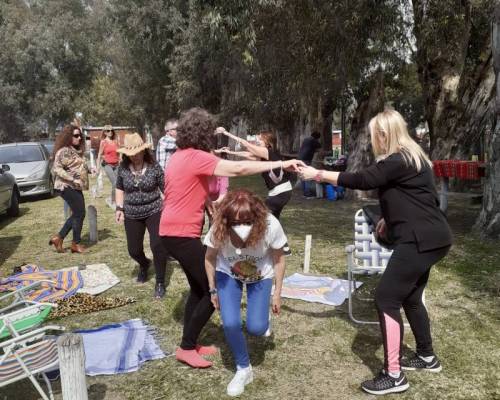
{"x": 29, "y": 355}
{"x": 364, "y": 257}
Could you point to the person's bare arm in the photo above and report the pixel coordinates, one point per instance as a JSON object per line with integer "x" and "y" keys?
{"x": 309, "y": 173}
{"x": 244, "y": 168}
{"x": 258, "y": 151}
{"x": 210, "y": 262}
{"x": 279, "y": 274}
{"x": 242, "y": 154}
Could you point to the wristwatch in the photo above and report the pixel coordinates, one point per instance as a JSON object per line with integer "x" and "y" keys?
{"x": 119, "y": 208}
{"x": 212, "y": 291}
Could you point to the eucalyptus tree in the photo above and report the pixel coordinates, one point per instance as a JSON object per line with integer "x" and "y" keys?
{"x": 45, "y": 63}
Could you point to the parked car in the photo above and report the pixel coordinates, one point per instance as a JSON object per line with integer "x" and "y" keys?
{"x": 30, "y": 163}
{"x": 49, "y": 145}
{"x": 9, "y": 193}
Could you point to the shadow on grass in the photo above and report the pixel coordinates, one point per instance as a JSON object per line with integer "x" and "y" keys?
{"x": 8, "y": 245}
{"x": 102, "y": 235}
{"x": 5, "y": 220}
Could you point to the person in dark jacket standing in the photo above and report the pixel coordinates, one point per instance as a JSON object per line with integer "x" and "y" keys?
{"x": 419, "y": 232}
{"x": 309, "y": 146}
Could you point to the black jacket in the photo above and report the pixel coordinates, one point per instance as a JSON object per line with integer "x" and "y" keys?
{"x": 408, "y": 200}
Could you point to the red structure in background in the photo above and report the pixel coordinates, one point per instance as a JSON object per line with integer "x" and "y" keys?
{"x": 459, "y": 169}
{"x": 464, "y": 170}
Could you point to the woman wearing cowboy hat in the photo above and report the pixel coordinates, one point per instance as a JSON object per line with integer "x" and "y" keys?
{"x": 139, "y": 188}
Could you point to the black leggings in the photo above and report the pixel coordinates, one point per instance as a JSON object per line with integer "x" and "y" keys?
{"x": 402, "y": 285}
{"x": 135, "y": 230}
{"x": 76, "y": 203}
{"x": 190, "y": 253}
{"x": 278, "y": 202}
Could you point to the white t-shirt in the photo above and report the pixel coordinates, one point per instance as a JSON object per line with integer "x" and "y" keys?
{"x": 254, "y": 263}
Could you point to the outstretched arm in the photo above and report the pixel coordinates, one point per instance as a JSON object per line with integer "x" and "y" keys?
{"x": 258, "y": 151}
{"x": 243, "y": 168}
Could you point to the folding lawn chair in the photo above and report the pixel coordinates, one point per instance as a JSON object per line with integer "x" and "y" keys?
{"x": 22, "y": 314}
{"x": 364, "y": 257}
{"x": 28, "y": 355}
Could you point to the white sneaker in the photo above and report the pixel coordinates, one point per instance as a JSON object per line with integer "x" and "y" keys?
{"x": 241, "y": 378}
{"x": 269, "y": 328}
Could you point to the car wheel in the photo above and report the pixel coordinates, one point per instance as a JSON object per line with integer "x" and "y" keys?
{"x": 13, "y": 210}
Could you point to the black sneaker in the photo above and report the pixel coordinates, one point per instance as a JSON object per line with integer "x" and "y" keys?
{"x": 416, "y": 363}
{"x": 160, "y": 291}
{"x": 142, "y": 276}
{"x": 383, "y": 383}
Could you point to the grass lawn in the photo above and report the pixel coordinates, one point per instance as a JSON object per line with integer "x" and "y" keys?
{"x": 315, "y": 352}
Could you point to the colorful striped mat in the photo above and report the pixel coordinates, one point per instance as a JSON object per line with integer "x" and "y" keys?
{"x": 63, "y": 284}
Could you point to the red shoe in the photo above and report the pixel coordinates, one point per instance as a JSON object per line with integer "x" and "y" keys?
{"x": 206, "y": 350}
{"x": 192, "y": 358}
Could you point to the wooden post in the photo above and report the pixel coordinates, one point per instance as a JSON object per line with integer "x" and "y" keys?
{"x": 443, "y": 197}
{"x": 92, "y": 216}
{"x": 72, "y": 367}
{"x": 307, "y": 253}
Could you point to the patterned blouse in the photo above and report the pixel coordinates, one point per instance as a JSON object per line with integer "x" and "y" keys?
{"x": 142, "y": 193}
{"x": 70, "y": 169}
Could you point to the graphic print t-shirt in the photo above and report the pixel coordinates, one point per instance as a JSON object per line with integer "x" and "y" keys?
{"x": 254, "y": 263}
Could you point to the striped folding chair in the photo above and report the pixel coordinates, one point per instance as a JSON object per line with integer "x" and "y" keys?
{"x": 21, "y": 314}
{"x": 29, "y": 355}
{"x": 364, "y": 257}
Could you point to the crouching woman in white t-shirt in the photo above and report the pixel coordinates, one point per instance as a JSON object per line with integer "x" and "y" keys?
{"x": 244, "y": 246}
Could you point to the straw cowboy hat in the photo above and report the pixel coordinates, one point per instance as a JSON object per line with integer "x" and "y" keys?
{"x": 107, "y": 128}
{"x": 133, "y": 144}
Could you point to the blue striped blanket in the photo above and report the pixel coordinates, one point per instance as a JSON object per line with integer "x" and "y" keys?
{"x": 119, "y": 348}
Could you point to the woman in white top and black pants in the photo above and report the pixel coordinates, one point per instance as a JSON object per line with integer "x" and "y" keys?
{"x": 278, "y": 181}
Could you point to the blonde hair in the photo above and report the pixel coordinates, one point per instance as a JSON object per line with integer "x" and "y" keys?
{"x": 389, "y": 135}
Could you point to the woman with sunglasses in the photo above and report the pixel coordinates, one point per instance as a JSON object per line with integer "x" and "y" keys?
{"x": 244, "y": 248}
{"x": 108, "y": 159}
{"x": 139, "y": 187}
{"x": 71, "y": 178}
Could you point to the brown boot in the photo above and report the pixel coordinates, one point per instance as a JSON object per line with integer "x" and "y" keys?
{"x": 77, "y": 248}
{"x": 57, "y": 241}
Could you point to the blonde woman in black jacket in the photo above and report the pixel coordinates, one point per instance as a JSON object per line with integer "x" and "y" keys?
{"x": 414, "y": 224}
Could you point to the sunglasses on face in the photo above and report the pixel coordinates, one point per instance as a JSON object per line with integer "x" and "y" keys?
{"x": 77, "y": 135}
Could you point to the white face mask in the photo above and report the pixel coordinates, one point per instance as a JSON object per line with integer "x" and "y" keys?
{"x": 243, "y": 231}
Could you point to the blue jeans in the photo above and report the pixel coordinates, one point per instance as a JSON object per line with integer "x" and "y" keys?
{"x": 230, "y": 291}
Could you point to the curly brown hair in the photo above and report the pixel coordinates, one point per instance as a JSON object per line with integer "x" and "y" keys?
{"x": 65, "y": 139}
{"x": 196, "y": 130}
{"x": 269, "y": 139}
{"x": 240, "y": 206}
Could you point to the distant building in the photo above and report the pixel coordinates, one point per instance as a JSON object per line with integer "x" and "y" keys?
{"x": 93, "y": 133}
{"x": 336, "y": 143}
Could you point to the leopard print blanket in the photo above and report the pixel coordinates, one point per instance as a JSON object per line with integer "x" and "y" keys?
{"x": 82, "y": 303}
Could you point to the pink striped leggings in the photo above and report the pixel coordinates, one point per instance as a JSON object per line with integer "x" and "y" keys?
{"x": 402, "y": 285}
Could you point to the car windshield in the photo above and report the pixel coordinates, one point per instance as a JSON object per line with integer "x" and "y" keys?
{"x": 20, "y": 154}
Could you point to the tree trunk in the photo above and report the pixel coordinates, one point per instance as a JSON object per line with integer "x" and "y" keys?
{"x": 455, "y": 71}
{"x": 488, "y": 223}
{"x": 359, "y": 145}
